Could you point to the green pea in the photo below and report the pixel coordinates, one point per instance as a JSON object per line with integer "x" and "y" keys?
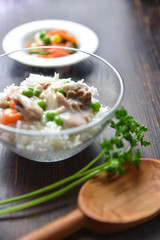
{"x": 42, "y": 34}
{"x": 50, "y": 116}
{"x": 58, "y": 120}
{"x": 31, "y": 88}
{"x": 37, "y": 92}
{"x": 41, "y": 103}
{"x": 95, "y": 106}
{"x": 28, "y": 92}
{"x": 60, "y": 90}
{"x": 46, "y": 39}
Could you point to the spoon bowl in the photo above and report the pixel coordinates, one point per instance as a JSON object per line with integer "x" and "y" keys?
{"x": 124, "y": 203}
{"x": 107, "y": 206}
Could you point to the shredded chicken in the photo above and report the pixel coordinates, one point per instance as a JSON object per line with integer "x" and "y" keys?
{"x": 62, "y": 101}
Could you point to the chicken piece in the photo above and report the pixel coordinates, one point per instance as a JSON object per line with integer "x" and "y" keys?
{"x": 62, "y": 101}
{"x": 73, "y": 121}
{"x": 29, "y": 109}
{"x": 50, "y": 98}
{"x": 76, "y": 105}
{"x": 81, "y": 95}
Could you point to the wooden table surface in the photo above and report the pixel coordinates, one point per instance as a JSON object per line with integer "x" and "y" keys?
{"x": 129, "y": 34}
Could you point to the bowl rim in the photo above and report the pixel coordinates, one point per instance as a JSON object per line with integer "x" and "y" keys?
{"x": 74, "y": 130}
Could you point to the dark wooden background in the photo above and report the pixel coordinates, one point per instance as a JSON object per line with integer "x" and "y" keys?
{"x": 129, "y": 34}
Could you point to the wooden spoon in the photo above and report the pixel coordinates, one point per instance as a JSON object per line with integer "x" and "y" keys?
{"x": 106, "y": 206}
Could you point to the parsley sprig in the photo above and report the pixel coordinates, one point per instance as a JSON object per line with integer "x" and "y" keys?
{"x": 127, "y": 130}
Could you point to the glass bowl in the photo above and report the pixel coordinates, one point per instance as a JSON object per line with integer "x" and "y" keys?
{"x": 48, "y": 145}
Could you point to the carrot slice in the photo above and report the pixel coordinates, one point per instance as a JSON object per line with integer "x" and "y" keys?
{"x": 60, "y": 53}
{"x": 10, "y": 116}
{"x": 51, "y": 50}
{"x": 64, "y": 34}
{"x": 55, "y": 53}
{"x": 29, "y": 44}
{"x": 12, "y": 104}
{"x": 55, "y": 31}
{"x": 68, "y": 37}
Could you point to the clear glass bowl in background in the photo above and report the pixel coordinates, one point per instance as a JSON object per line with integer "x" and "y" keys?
{"x": 16, "y": 67}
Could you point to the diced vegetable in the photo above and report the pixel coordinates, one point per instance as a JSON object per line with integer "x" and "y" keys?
{"x": 29, "y": 44}
{"x": 38, "y": 52}
{"x": 46, "y": 39}
{"x": 56, "y": 53}
{"x": 64, "y": 34}
{"x": 28, "y": 92}
{"x": 50, "y": 115}
{"x": 42, "y": 34}
{"x": 41, "y": 103}
{"x": 95, "y": 106}
{"x": 31, "y": 88}
{"x": 37, "y": 92}
{"x": 75, "y": 45}
{"x": 12, "y": 104}
{"x": 60, "y": 90}
{"x": 10, "y": 116}
{"x": 55, "y": 31}
{"x": 68, "y": 37}
{"x": 60, "y": 53}
{"x": 57, "y": 37}
{"x": 58, "y": 120}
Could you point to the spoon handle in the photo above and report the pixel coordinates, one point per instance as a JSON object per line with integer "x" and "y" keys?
{"x": 60, "y": 228}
